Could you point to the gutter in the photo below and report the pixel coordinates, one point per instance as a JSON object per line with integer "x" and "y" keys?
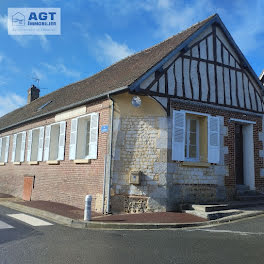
{"x": 109, "y": 159}
{"x": 68, "y": 107}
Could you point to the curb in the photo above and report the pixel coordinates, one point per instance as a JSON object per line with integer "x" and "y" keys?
{"x": 121, "y": 226}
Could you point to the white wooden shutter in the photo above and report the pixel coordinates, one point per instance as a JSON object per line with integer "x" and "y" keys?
{"x": 23, "y": 145}
{"x": 29, "y": 145}
{"x": 7, "y": 149}
{"x": 62, "y": 140}
{"x": 213, "y": 139}
{"x": 178, "y": 135}
{"x": 40, "y": 145}
{"x": 14, "y": 148}
{"x": 73, "y": 138}
{"x": 47, "y": 143}
{"x": 93, "y": 136}
{"x": 0, "y": 148}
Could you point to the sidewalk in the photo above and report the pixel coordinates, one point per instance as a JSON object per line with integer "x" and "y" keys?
{"x": 73, "y": 216}
{"x": 77, "y": 214}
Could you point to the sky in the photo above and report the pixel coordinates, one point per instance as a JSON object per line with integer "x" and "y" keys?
{"x": 98, "y": 33}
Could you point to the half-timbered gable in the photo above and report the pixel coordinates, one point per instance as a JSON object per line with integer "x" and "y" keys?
{"x": 208, "y": 69}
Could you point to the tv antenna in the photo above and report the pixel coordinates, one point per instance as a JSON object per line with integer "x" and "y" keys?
{"x": 37, "y": 80}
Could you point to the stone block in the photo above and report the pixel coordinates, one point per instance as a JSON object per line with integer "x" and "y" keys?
{"x": 262, "y": 172}
{"x": 163, "y": 134}
{"x": 160, "y": 167}
{"x": 116, "y": 154}
{"x": 220, "y": 170}
{"x": 163, "y": 123}
{"x": 160, "y": 192}
{"x": 163, "y": 155}
{"x": 156, "y": 205}
{"x": 162, "y": 143}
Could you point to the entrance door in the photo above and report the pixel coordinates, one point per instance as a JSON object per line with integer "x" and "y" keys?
{"x": 239, "y": 168}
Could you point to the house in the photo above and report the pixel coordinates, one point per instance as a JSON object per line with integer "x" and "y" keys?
{"x": 180, "y": 122}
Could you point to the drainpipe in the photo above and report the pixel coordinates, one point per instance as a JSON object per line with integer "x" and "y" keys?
{"x": 109, "y": 159}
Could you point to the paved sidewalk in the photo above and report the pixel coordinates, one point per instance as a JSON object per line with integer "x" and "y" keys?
{"x": 58, "y": 208}
{"x": 77, "y": 214}
{"x": 72, "y": 216}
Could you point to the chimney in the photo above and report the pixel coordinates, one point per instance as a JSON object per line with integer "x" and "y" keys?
{"x": 33, "y": 94}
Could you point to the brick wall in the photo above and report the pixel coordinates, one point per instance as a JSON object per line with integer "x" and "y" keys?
{"x": 228, "y": 144}
{"x": 66, "y": 182}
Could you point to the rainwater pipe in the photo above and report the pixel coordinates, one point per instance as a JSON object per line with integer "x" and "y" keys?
{"x": 108, "y": 169}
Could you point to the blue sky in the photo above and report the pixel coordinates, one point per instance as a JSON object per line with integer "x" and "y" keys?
{"x": 97, "y": 33}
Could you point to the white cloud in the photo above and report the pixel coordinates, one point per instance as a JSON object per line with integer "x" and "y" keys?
{"x": 8, "y": 63}
{"x": 44, "y": 42}
{"x": 10, "y": 102}
{"x": 37, "y": 74}
{"x": 243, "y": 19}
{"x": 60, "y": 68}
{"x": 24, "y": 40}
{"x": 110, "y": 51}
{"x": 249, "y": 29}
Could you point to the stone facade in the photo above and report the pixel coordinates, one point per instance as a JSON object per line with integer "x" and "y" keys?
{"x": 143, "y": 143}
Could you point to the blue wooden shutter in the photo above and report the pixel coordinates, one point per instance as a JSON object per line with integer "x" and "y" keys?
{"x": 178, "y": 135}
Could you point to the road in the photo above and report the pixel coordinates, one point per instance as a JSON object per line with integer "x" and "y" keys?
{"x": 20, "y": 242}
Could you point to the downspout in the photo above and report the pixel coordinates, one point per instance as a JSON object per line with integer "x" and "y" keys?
{"x": 109, "y": 159}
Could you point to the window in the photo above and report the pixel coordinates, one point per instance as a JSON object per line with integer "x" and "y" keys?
{"x": 84, "y": 133}
{"x": 4, "y": 149}
{"x": 19, "y": 143}
{"x": 192, "y": 139}
{"x": 195, "y": 137}
{"x": 35, "y": 144}
{"x": 55, "y": 141}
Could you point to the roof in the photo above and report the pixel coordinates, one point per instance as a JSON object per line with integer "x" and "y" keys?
{"x": 118, "y": 76}
{"x": 261, "y": 77}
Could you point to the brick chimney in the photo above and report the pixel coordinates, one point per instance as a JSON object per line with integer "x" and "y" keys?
{"x": 33, "y": 94}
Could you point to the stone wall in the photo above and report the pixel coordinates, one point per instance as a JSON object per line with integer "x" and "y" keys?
{"x": 143, "y": 143}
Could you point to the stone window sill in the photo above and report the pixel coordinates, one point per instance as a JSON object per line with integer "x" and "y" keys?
{"x": 2, "y": 163}
{"x": 33, "y": 162}
{"x": 17, "y": 163}
{"x": 196, "y": 164}
{"x": 82, "y": 161}
{"x": 53, "y": 162}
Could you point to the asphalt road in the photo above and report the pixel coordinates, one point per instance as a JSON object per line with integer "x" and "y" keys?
{"x": 239, "y": 242}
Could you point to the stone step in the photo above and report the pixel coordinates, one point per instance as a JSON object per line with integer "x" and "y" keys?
{"x": 247, "y": 192}
{"x": 227, "y": 206}
{"x": 242, "y": 187}
{"x": 210, "y": 208}
{"x": 250, "y": 197}
{"x": 214, "y": 215}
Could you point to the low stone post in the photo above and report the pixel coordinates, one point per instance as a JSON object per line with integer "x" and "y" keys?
{"x": 88, "y": 208}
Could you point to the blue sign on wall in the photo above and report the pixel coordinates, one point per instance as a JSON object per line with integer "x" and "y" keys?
{"x": 104, "y": 129}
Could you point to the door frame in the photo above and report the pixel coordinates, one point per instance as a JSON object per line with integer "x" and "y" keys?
{"x": 248, "y": 152}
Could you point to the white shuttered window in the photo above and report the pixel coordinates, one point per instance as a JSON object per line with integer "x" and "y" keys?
{"x": 19, "y": 144}
{"x": 84, "y": 137}
{"x": 190, "y": 136}
{"x": 55, "y": 141}
{"x": 4, "y": 149}
{"x": 35, "y": 144}
{"x": 213, "y": 139}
